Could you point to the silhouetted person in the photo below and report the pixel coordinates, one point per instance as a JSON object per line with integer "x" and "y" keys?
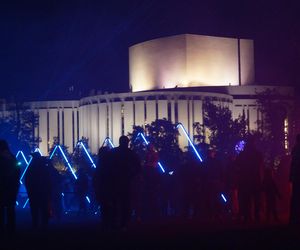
{"x": 56, "y": 193}
{"x": 82, "y": 187}
{"x": 189, "y": 176}
{"x": 104, "y": 188}
{"x": 295, "y": 180}
{"x": 9, "y": 185}
{"x": 125, "y": 166}
{"x": 250, "y": 168}
{"x": 269, "y": 187}
{"x": 151, "y": 184}
{"x": 38, "y": 184}
{"x": 214, "y": 185}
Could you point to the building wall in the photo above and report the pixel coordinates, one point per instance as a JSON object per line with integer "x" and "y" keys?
{"x": 190, "y": 60}
{"x": 114, "y": 114}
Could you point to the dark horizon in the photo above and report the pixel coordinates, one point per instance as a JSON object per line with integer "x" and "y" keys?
{"x": 52, "y": 49}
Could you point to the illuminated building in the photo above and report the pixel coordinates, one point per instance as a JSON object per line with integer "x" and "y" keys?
{"x": 169, "y": 78}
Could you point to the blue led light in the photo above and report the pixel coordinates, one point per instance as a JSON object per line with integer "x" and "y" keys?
{"x": 38, "y": 150}
{"x": 65, "y": 158}
{"x": 28, "y": 163}
{"x": 88, "y": 199}
{"x": 224, "y": 198}
{"x": 17, "y": 203}
{"x": 69, "y": 165}
{"x": 25, "y": 203}
{"x": 190, "y": 141}
{"x": 23, "y": 156}
{"x": 107, "y": 139}
{"x": 87, "y": 153}
{"x": 145, "y": 140}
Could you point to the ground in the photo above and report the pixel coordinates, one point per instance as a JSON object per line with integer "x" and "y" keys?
{"x": 85, "y": 233}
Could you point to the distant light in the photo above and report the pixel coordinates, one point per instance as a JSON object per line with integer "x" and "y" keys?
{"x": 17, "y": 203}
{"x": 19, "y": 163}
{"x": 190, "y": 141}
{"x": 171, "y": 172}
{"x": 62, "y": 194}
{"x": 224, "y": 198}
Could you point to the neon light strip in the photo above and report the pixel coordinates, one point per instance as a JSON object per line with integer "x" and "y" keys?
{"x": 191, "y": 143}
{"x": 87, "y": 153}
{"x": 22, "y": 154}
{"x": 25, "y": 170}
{"x": 38, "y": 150}
{"x": 69, "y": 165}
{"x": 25, "y": 203}
{"x": 223, "y": 197}
{"x": 63, "y": 154}
{"x": 109, "y": 141}
{"x": 145, "y": 140}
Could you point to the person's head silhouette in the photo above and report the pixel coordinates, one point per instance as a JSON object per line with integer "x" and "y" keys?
{"x": 123, "y": 141}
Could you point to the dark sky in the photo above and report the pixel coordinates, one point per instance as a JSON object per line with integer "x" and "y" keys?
{"x": 48, "y": 46}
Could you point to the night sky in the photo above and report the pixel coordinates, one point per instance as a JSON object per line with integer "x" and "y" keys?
{"x": 65, "y": 49}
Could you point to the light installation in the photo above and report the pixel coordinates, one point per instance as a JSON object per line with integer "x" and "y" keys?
{"x": 87, "y": 153}
{"x": 179, "y": 125}
{"x": 65, "y": 158}
{"x": 109, "y": 142}
{"x": 145, "y": 140}
{"x": 224, "y": 198}
{"x": 23, "y": 156}
{"x": 27, "y": 162}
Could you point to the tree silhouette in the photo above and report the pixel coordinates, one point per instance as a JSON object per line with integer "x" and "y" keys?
{"x": 164, "y": 136}
{"x": 225, "y": 132}
{"x": 17, "y": 127}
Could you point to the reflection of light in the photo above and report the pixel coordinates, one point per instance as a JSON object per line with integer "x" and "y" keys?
{"x": 63, "y": 154}
{"x": 145, "y": 140}
{"x": 223, "y": 197}
{"x": 191, "y": 143}
{"x": 87, "y": 153}
{"x": 25, "y": 203}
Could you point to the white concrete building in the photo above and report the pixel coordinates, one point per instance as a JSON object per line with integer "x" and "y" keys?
{"x": 169, "y": 78}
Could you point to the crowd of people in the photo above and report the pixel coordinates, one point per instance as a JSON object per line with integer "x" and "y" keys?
{"x": 126, "y": 188}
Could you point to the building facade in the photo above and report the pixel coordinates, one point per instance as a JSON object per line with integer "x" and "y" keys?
{"x": 169, "y": 78}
